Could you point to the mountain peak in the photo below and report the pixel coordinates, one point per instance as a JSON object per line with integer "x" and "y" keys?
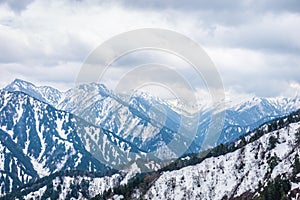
{"x": 18, "y": 84}
{"x": 19, "y": 80}
{"x": 43, "y": 93}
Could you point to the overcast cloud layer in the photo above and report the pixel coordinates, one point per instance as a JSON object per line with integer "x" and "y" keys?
{"x": 255, "y": 45}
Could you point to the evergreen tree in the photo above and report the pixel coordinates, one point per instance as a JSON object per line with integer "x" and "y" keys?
{"x": 273, "y": 161}
{"x": 281, "y": 122}
{"x": 272, "y": 142}
{"x": 296, "y": 169}
{"x": 276, "y": 190}
{"x": 297, "y": 136}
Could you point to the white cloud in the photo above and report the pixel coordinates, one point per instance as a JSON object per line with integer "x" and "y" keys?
{"x": 255, "y": 49}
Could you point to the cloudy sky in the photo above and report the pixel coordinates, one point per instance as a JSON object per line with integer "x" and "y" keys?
{"x": 255, "y": 45}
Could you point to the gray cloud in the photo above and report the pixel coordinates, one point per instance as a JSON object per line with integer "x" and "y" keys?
{"x": 226, "y": 11}
{"x": 271, "y": 26}
{"x": 216, "y": 5}
{"x": 16, "y": 5}
{"x": 270, "y": 33}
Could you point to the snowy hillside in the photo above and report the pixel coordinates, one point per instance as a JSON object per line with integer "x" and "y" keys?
{"x": 232, "y": 174}
{"x": 67, "y": 185}
{"x": 36, "y": 140}
{"x": 265, "y": 162}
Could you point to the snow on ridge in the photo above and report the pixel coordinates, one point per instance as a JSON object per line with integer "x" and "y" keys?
{"x": 231, "y": 174}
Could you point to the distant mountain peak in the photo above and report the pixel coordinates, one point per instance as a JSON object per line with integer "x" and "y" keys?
{"x": 46, "y": 94}
{"x": 92, "y": 87}
{"x": 17, "y": 83}
{"x": 20, "y": 80}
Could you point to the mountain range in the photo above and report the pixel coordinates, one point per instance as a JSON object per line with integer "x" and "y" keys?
{"x": 89, "y": 137}
{"x": 138, "y": 120}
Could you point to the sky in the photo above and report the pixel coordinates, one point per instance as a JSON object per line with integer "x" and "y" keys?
{"x": 255, "y": 45}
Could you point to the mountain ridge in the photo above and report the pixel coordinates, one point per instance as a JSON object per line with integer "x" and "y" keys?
{"x": 133, "y": 120}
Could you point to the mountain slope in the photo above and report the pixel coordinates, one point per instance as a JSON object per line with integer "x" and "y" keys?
{"x": 134, "y": 121}
{"x": 265, "y": 162}
{"x": 70, "y": 184}
{"x": 37, "y": 140}
{"x": 246, "y": 116}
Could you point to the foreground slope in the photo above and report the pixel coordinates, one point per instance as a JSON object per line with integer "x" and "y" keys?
{"x": 70, "y": 184}
{"x": 264, "y": 163}
{"x": 232, "y": 174}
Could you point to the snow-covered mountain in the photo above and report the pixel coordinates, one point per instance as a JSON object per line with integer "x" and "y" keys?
{"x": 151, "y": 123}
{"x": 45, "y": 133}
{"x": 246, "y": 116}
{"x": 137, "y": 120}
{"x": 262, "y": 165}
{"x": 37, "y": 140}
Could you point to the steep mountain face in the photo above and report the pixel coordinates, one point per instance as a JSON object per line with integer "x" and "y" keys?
{"x": 134, "y": 120}
{"x": 37, "y": 140}
{"x": 151, "y": 123}
{"x": 262, "y": 165}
